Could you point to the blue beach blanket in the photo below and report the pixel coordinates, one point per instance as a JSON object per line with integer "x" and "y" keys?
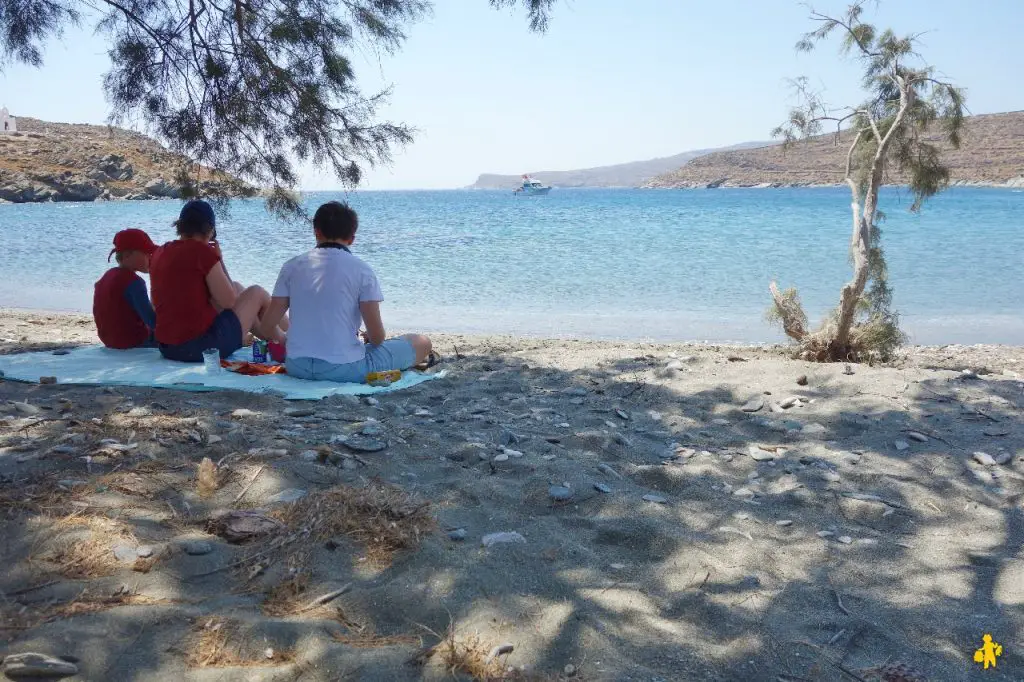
{"x": 99, "y": 366}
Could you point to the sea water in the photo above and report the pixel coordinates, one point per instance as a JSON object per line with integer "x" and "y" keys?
{"x": 628, "y": 264}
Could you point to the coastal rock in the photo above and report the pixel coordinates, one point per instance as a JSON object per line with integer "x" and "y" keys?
{"x": 159, "y": 187}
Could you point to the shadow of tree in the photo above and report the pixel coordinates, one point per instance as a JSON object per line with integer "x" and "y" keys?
{"x": 837, "y": 550}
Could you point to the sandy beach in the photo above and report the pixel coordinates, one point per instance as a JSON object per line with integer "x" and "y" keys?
{"x": 548, "y": 510}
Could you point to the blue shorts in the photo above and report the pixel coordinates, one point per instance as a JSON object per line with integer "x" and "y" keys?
{"x": 392, "y": 354}
{"x": 225, "y": 334}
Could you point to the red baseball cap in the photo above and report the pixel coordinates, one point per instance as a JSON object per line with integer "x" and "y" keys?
{"x": 132, "y": 240}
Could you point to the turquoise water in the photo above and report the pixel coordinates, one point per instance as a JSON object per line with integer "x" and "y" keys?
{"x": 662, "y": 264}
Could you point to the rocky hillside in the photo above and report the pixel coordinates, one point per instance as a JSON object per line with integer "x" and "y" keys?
{"x": 75, "y": 162}
{"x": 620, "y": 175}
{"x": 992, "y": 154}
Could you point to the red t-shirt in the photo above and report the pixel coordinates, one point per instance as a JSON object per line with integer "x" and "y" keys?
{"x": 177, "y": 275}
{"x": 117, "y": 323}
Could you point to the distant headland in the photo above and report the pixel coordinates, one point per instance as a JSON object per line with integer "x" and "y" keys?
{"x": 44, "y": 161}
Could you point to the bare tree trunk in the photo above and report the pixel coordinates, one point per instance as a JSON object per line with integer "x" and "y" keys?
{"x": 854, "y": 289}
{"x": 863, "y": 221}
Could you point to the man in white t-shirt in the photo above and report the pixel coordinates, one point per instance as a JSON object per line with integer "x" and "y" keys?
{"x": 330, "y": 293}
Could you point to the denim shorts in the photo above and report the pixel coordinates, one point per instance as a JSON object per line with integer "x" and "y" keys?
{"x": 225, "y": 334}
{"x": 392, "y": 354}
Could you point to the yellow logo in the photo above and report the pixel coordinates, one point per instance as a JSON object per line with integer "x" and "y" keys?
{"x": 988, "y": 652}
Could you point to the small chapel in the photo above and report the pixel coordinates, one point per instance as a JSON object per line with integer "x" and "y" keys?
{"x": 8, "y": 124}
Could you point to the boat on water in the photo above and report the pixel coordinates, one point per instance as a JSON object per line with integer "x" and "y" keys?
{"x": 531, "y": 187}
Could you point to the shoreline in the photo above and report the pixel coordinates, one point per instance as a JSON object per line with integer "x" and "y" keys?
{"x": 24, "y": 328}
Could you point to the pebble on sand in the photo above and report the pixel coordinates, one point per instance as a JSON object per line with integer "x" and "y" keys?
{"x": 918, "y": 436}
{"x": 801, "y": 380}
{"x": 657, "y": 499}
{"x": 753, "y": 405}
{"x": 458, "y": 535}
{"x": 759, "y": 455}
{"x": 197, "y": 547}
{"x": 33, "y": 666}
{"x": 602, "y": 488}
{"x": 299, "y": 412}
{"x": 784, "y": 522}
{"x": 559, "y": 493}
{"x": 984, "y": 459}
{"x": 901, "y": 445}
{"x": 504, "y": 537}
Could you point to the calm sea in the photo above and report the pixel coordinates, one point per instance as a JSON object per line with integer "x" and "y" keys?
{"x": 633, "y": 264}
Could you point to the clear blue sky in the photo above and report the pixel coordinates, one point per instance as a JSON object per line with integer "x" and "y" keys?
{"x": 612, "y": 81}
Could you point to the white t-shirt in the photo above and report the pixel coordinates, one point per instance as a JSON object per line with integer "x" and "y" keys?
{"x": 324, "y": 288}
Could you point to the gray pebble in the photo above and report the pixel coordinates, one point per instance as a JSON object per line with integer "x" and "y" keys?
{"x": 309, "y": 455}
{"x": 125, "y": 553}
{"x": 349, "y": 464}
{"x": 33, "y": 666}
{"x": 845, "y": 539}
{"x": 657, "y": 499}
{"x": 606, "y": 469}
{"x": 984, "y": 459}
{"x": 365, "y": 444}
{"x": 901, "y": 445}
{"x": 299, "y": 412}
{"x": 243, "y": 412}
{"x": 197, "y": 547}
{"x": 144, "y": 551}
{"x": 371, "y": 430}
{"x": 458, "y": 535}
{"x": 753, "y": 405}
{"x": 784, "y": 522}
{"x": 501, "y": 457}
{"x": 919, "y": 437}
{"x": 602, "y": 488}
{"x": 559, "y": 493}
{"x": 1003, "y": 458}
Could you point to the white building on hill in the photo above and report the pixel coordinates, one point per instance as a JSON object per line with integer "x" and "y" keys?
{"x": 8, "y": 124}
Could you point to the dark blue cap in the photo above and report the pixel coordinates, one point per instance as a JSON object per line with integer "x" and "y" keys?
{"x": 199, "y": 210}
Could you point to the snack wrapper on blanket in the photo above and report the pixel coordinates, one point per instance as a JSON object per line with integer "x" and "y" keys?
{"x": 251, "y": 369}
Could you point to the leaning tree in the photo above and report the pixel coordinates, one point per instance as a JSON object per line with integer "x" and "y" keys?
{"x": 890, "y": 137}
{"x": 247, "y": 87}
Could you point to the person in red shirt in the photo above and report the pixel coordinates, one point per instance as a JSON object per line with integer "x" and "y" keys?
{"x": 198, "y": 307}
{"x": 120, "y": 305}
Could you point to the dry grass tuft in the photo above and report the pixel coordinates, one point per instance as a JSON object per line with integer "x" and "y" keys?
{"x": 383, "y": 517}
{"x": 220, "y": 643}
{"x": 471, "y": 656}
{"x": 84, "y": 559}
{"x": 208, "y": 480}
{"x": 289, "y": 596}
{"x": 34, "y": 495}
{"x": 370, "y": 640}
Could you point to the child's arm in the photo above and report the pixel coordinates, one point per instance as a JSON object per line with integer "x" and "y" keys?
{"x": 138, "y": 298}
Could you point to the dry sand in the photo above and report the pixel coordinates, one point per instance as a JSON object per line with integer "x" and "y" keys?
{"x": 838, "y": 548}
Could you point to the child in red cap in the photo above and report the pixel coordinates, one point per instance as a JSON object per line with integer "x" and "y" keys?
{"x": 120, "y": 306}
